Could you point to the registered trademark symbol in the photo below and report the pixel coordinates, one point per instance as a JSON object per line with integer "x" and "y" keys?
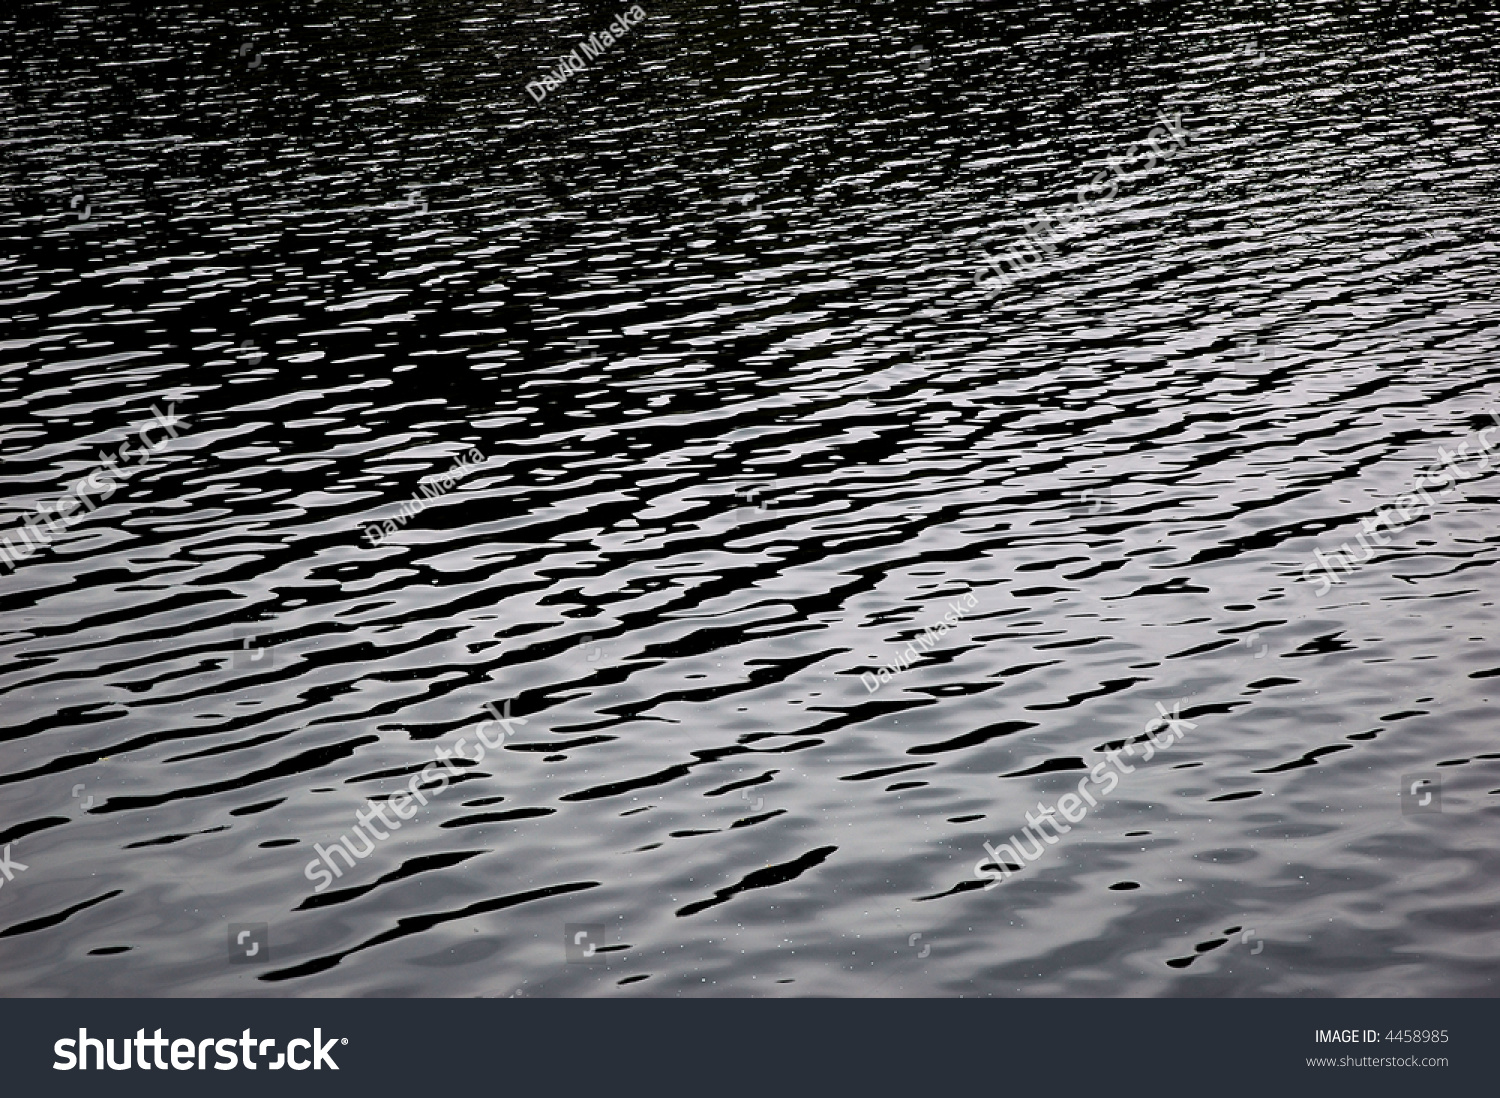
{"x": 344, "y": 1040}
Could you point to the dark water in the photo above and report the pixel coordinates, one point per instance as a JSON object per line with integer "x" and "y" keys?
{"x": 708, "y": 313}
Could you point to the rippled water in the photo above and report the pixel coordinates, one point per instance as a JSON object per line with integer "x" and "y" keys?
{"x": 708, "y": 313}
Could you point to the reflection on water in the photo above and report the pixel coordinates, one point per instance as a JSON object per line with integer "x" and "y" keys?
{"x": 588, "y": 717}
